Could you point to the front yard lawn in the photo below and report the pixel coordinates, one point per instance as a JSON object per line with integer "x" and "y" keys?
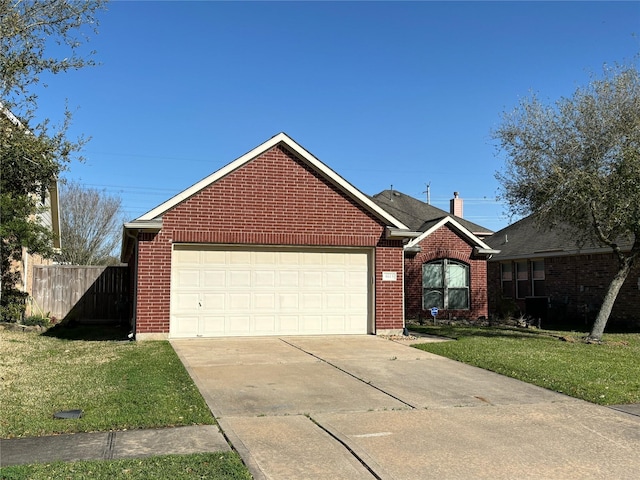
{"x": 606, "y": 374}
{"x": 219, "y": 466}
{"x": 118, "y": 384}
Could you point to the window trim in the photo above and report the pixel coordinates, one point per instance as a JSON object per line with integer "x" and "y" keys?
{"x": 444, "y": 289}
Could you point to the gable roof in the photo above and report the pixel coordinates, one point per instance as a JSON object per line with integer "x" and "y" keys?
{"x": 418, "y": 215}
{"x": 526, "y": 239}
{"x": 480, "y": 247}
{"x": 281, "y": 139}
{"x": 152, "y": 220}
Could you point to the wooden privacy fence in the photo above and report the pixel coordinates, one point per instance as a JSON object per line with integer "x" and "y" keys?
{"x": 86, "y": 294}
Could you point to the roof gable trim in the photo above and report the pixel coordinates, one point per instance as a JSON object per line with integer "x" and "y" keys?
{"x": 303, "y": 154}
{"x": 457, "y": 226}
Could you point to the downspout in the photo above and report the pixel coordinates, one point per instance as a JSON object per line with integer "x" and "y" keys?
{"x": 134, "y": 306}
{"x": 405, "y": 330}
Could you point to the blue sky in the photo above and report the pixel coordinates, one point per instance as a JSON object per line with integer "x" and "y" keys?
{"x": 384, "y": 93}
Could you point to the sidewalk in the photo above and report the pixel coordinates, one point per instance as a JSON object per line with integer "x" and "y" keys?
{"x": 112, "y": 445}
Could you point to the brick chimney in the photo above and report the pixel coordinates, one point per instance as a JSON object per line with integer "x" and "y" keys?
{"x": 455, "y": 205}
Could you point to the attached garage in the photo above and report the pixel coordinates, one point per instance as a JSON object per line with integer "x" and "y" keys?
{"x": 274, "y": 243}
{"x": 240, "y": 291}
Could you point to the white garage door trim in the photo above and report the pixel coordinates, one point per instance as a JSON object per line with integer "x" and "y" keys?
{"x": 223, "y": 290}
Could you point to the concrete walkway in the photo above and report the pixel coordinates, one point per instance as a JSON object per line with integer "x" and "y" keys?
{"x": 112, "y": 445}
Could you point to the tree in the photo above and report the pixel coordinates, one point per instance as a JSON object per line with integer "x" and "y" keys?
{"x": 576, "y": 163}
{"x": 90, "y": 226}
{"x": 31, "y": 154}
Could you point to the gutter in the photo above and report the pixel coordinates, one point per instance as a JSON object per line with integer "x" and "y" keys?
{"x": 392, "y": 232}
{"x": 487, "y": 252}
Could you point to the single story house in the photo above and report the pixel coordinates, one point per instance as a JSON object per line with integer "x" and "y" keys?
{"x": 445, "y": 266}
{"x": 546, "y": 275}
{"x": 274, "y": 243}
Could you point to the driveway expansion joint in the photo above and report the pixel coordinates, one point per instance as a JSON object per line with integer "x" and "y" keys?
{"x": 347, "y": 447}
{"x": 368, "y": 383}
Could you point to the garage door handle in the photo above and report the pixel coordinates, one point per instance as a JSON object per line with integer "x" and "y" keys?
{"x": 199, "y": 303}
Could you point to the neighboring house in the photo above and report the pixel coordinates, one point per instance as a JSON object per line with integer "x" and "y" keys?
{"x": 49, "y": 217}
{"x": 446, "y": 264}
{"x": 274, "y": 243}
{"x": 546, "y": 275}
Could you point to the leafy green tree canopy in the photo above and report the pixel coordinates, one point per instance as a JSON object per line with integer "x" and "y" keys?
{"x": 33, "y": 155}
{"x": 575, "y": 164}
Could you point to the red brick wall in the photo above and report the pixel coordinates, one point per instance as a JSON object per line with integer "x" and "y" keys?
{"x": 576, "y": 286}
{"x": 271, "y": 200}
{"x": 446, "y": 243}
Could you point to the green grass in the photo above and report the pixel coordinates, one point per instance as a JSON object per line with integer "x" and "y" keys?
{"x": 219, "y": 466}
{"x": 606, "y": 374}
{"x": 118, "y": 384}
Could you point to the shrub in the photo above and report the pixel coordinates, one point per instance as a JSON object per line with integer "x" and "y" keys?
{"x": 38, "y": 320}
{"x": 12, "y": 305}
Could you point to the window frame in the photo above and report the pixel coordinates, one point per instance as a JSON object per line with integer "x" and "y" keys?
{"x": 523, "y": 285}
{"x": 445, "y": 288}
{"x": 506, "y": 279}
{"x": 538, "y": 288}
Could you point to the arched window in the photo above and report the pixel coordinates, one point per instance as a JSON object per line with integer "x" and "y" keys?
{"x": 445, "y": 284}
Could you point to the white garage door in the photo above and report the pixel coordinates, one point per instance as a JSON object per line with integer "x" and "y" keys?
{"x": 266, "y": 291}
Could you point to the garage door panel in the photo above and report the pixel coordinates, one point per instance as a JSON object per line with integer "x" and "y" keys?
{"x": 264, "y": 301}
{"x": 311, "y": 301}
{"x": 289, "y": 323}
{"x": 238, "y": 324}
{"x": 214, "y": 278}
{"x": 311, "y": 323}
{"x": 239, "y": 278}
{"x": 312, "y": 258}
{"x": 335, "y": 301}
{"x": 311, "y": 279}
{"x": 335, "y": 279}
{"x": 239, "y": 301}
{"x": 288, "y": 301}
{"x": 265, "y": 258}
{"x": 213, "y": 257}
{"x": 185, "y": 326}
{"x": 187, "y": 301}
{"x": 335, "y": 323}
{"x": 239, "y": 257}
{"x": 357, "y": 279}
{"x": 188, "y": 277}
{"x": 213, "y": 325}
{"x": 265, "y": 324}
{"x": 265, "y": 291}
{"x": 288, "y": 279}
{"x": 356, "y": 302}
{"x": 289, "y": 258}
{"x": 213, "y": 301}
{"x": 264, "y": 278}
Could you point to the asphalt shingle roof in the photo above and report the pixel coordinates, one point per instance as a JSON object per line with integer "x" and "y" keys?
{"x": 525, "y": 238}
{"x": 417, "y": 215}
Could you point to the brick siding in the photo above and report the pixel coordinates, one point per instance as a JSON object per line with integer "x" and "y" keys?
{"x": 575, "y": 286}
{"x": 272, "y": 200}
{"x": 441, "y": 244}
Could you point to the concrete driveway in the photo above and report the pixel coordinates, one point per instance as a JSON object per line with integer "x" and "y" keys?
{"x": 363, "y": 407}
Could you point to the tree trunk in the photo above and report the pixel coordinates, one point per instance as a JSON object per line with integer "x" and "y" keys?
{"x": 609, "y": 300}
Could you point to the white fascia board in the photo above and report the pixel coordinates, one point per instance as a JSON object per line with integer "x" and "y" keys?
{"x": 449, "y": 220}
{"x": 144, "y": 226}
{"x": 302, "y": 153}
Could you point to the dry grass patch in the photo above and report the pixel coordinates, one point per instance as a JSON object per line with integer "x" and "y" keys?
{"x": 118, "y": 385}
